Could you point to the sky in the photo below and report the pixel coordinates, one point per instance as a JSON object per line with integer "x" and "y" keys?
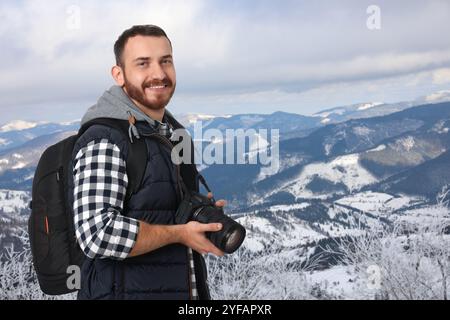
{"x": 230, "y": 56}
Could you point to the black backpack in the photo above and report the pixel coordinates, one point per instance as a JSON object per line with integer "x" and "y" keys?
{"x": 51, "y": 226}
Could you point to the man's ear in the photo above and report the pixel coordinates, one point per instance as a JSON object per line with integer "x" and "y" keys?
{"x": 117, "y": 74}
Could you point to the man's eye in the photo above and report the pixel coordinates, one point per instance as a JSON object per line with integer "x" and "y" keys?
{"x": 142, "y": 64}
{"x": 167, "y": 61}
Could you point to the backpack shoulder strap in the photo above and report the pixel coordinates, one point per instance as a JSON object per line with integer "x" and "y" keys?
{"x": 189, "y": 172}
{"x": 137, "y": 152}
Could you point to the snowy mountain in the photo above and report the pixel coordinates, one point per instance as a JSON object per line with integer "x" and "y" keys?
{"x": 17, "y": 165}
{"x": 311, "y": 222}
{"x": 332, "y": 159}
{"x": 22, "y": 147}
{"x": 426, "y": 179}
{"x": 376, "y": 109}
{"x": 18, "y": 125}
{"x": 337, "y": 177}
{"x": 318, "y": 180}
{"x": 289, "y": 124}
{"x": 16, "y": 133}
{"x": 188, "y": 120}
{"x": 326, "y": 161}
{"x": 343, "y": 113}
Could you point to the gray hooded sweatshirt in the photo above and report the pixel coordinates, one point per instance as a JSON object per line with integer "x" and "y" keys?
{"x": 116, "y": 104}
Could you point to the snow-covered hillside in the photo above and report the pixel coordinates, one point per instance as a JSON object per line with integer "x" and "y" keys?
{"x": 379, "y": 204}
{"x": 342, "y": 174}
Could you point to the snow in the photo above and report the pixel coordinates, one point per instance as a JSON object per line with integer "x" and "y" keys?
{"x": 259, "y": 223}
{"x": 426, "y": 216}
{"x": 343, "y": 169}
{"x": 378, "y": 204}
{"x": 253, "y": 244}
{"x": 366, "y": 106}
{"x": 12, "y": 201}
{"x": 404, "y": 144}
{"x": 327, "y": 148}
{"x": 199, "y": 117}
{"x": 362, "y": 131}
{"x": 29, "y": 177}
{"x": 19, "y": 165}
{"x": 325, "y": 121}
{"x": 285, "y": 163}
{"x": 381, "y": 147}
{"x": 190, "y": 119}
{"x": 338, "y": 281}
{"x": 337, "y": 230}
{"x": 439, "y": 127}
{"x": 285, "y": 208}
{"x": 18, "y": 125}
{"x": 4, "y": 142}
{"x": 262, "y": 231}
{"x": 250, "y": 120}
{"x": 70, "y": 122}
{"x": 323, "y": 114}
{"x": 338, "y": 111}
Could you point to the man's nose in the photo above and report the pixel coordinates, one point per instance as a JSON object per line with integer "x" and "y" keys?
{"x": 157, "y": 72}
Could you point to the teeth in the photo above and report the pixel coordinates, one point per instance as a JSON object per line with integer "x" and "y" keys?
{"x": 157, "y": 87}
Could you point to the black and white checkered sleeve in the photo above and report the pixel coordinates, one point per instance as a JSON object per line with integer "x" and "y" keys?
{"x": 100, "y": 181}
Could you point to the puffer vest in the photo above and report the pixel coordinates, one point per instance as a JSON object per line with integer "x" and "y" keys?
{"x": 162, "y": 273}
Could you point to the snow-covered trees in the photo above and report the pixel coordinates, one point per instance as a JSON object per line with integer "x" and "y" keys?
{"x": 17, "y": 277}
{"x": 408, "y": 260}
{"x": 268, "y": 274}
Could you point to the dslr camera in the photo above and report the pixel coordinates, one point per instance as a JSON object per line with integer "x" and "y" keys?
{"x": 198, "y": 207}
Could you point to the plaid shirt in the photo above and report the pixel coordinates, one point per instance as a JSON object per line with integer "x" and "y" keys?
{"x": 100, "y": 181}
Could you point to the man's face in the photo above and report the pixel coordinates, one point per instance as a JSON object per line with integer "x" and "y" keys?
{"x": 149, "y": 72}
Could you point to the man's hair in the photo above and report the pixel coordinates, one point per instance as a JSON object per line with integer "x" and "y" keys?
{"x": 139, "y": 30}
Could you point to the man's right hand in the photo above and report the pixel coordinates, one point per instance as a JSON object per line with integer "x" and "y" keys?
{"x": 193, "y": 236}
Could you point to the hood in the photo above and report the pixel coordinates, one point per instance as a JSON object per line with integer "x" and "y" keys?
{"x": 115, "y": 104}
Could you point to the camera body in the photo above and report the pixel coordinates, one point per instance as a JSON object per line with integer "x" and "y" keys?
{"x": 198, "y": 207}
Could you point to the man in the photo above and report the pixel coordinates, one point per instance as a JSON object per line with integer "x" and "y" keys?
{"x": 134, "y": 249}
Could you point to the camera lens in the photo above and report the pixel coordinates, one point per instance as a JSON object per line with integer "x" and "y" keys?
{"x": 232, "y": 234}
{"x": 234, "y": 240}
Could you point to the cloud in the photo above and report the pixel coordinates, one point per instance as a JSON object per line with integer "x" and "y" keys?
{"x": 227, "y": 52}
{"x": 388, "y": 89}
{"x": 441, "y": 76}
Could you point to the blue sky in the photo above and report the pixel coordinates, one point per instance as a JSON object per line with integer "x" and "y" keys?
{"x": 231, "y": 56}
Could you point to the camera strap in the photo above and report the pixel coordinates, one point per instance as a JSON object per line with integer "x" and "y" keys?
{"x": 202, "y": 180}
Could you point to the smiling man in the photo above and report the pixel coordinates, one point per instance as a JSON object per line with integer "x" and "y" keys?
{"x": 133, "y": 248}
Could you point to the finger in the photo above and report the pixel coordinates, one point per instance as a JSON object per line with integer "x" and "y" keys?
{"x": 211, "y": 248}
{"x": 216, "y": 251}
{"x": 202, "y": 252}
{"x": 211, "y": 227}
{"x": 221, "y": 203}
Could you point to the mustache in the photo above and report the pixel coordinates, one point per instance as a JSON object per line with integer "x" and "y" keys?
{"x": 165, "y": 82}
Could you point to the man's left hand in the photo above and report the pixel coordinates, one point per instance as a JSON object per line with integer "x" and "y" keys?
{"x": 219, "y": 203}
